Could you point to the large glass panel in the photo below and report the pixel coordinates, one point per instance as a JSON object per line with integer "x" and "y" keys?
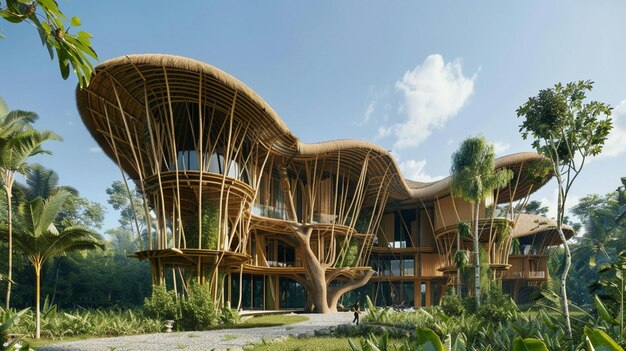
{"x": 246, "y": 291}
{"x": 257, "y": 295}
{"x": 395, "y": 267}
{"x": 423, "y": 294}
{"x": 383, "y": 295}
{"x": 408, "y": 267}
{"x": 292, "y": 294}
{"x": 407, "y": 294}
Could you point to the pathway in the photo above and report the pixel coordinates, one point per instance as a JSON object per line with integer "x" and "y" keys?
{"x": 204, "y": 340}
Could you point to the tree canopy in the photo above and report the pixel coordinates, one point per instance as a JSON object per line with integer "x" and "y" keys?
{"x": 72, "y": 50}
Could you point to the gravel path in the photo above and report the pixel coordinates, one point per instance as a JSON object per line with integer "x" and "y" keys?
{"x": 223, "y": 339}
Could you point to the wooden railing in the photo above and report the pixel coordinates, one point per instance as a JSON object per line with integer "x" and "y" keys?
{"x": 527, "y": 267}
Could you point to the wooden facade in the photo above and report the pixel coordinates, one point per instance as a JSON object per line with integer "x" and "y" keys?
{"x": 235, "y": 201}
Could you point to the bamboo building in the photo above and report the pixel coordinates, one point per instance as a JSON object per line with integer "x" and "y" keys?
{"x": 235, "y": 201}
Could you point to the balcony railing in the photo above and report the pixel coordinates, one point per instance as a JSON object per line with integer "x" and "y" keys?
{"x": 537, "y": 274}
{"x": 269, "y": 211}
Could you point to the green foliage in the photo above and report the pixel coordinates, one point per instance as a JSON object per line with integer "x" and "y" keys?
{"x": 535, "y": 207}
{"x": 451, "y": 304}
{"x": 473, "y": 171}
{"x": 461, "y": 260}
{"x": 497, "y": 306}
{"x": 596, "y": 339}
{"x": 426, "y": 339}
{"x": 57, "y": 325}
{"x": 197, "y": 311}
{"x": 562, "y": 125}
{"x": 161, "y": 305}
{"x": 528, "y": 344}
{"x": 229, "y": 316}
{"x": 210, "y": 226}
{"x": 73, "y": 50}
{"x": 347, "y": 255}
{"x": 8, "y": 323}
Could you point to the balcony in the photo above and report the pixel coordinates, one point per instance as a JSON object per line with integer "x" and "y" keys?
{"x": 531, "y": 267}
{"x": 269, "y": 212}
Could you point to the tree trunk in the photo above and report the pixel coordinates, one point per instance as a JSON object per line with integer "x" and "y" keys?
{"x": 8, "y": 188}
{"x": 334, "y": 294}
{"x": 568, "y": 263}
{"x": 476, "y": 255}
{"x": 458, "y": 270}
{"x": 37, "y": 303}
{"x": 317, "y": 278}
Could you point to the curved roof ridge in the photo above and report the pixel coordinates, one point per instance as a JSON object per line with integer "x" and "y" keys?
{"x": 412, "y": 189}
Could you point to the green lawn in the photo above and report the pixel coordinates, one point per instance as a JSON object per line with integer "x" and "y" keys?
{"x": 267, "y": 321}
{"x": 314, "y": 344}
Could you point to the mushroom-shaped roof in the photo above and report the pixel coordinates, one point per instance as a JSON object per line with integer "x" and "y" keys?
{"x": 132, "y": 83}
{"x": 532, "y": 225}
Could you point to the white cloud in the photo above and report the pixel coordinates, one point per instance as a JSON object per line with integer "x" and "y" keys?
{"x": 501, "y": 147}
{"x": 369, "y": 111}
{"x": 377, "y": 100}
{"x": 383, "y": 132}
{"x": 616, "y": 142}
{"x": 414, "y": 170}
{"x": 433, "y": 92}
{"x": 95, "y": 150}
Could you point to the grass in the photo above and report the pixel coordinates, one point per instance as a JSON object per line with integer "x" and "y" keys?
{"x": 229, "y": 337}
{"x": 314, "y": 344}
{"x": 266, "y": 321}
{"x": 46, "y": 341}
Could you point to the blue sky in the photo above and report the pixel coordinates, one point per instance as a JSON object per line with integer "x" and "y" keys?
{"x": 414, "y": 77}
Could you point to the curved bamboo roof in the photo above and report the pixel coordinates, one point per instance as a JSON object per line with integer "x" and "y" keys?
{"x": 531, "y": 225}
{"x": 144, "y": 80}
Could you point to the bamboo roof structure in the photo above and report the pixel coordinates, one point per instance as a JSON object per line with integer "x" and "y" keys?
{"x": 179, "y": 76}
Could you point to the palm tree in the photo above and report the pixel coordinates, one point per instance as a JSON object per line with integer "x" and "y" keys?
{"x": 18, "y": 142}
{"x": 474, "y": 178}
{"x": 39, "y": 239}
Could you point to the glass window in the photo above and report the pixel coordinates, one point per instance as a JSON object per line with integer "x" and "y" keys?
{"x": 407, "y": 294}
{"x": 408, "y": 267}
{"x": 395, "y": 267}
{"x": 423, "y": 294}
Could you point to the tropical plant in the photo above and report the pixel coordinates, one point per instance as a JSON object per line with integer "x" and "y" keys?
{"x": 18, "y": 142}
{"x": 612, "y": 291}
{"x": 8, "y": 322}
{"x": 197, "y": 309}
{"x": 461, "y": 258}
{"x": 72, "y": 49}
{"x": 84, "y": 322}
{"x": 473, "y": 179}
{"x": 39, "y": 239}
{"x": 566, "y": 131}
{"x": 162, "y": 304}
{"x": 621, "y": 191}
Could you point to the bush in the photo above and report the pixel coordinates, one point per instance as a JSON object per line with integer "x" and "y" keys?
{"x": 58, "y": 325}
{"x": 229, "y": 316}
{"x": 497, "y": 306}
{"x": 451, "y": 304}
{"x": 161, "y": 305}
{"x": 197, "y": 310}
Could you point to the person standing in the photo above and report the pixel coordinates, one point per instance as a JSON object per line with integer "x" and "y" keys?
{"x": 357, "y": 310}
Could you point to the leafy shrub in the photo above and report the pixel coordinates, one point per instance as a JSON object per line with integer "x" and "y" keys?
{"x": 161, "y": 305}
{"x": 197, "y": 310}
{"x": 451, "y": 304}
{"x": 497, "y": 306}
{"x": 57, "y": 325}
{"x": 229, "y": 316}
